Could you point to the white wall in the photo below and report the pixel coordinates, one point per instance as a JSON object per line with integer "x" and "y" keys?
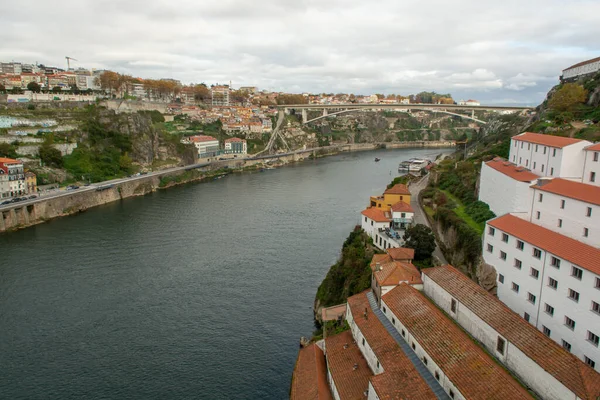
{"x": 334, "y": 391}
{"x": 518, "y": 362}
{"x": 581, "y": 70}
{"x": 573, "y": 159}
{"x": 372, "y": 394}
{"x": 574, "y": 216}
{"x": 591, "y": 166}
{"x": 502, "y": 193}
{"x": 566, "y": 162}
{"x": 365, "y": 348}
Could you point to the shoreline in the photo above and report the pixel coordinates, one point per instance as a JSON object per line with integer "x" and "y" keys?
{"x": 21, "y": 216}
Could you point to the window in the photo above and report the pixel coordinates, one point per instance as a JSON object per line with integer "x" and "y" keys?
{"x": 490, "y": 248}
{"x": 384, "y": 310}
{"x": 544, "y": 149}
{"x": 365, "y": 219}
{"x": 553, "y": 283}
{"x": 515, "y": 287}
{"x": 520, "y": 160}
{"x": 451, "y": 394}
{"x": 527, "y": 163}
{"x": 518, "y": 263}
{"x": 403, "y": 333}
{"x": 371, "y": 223}
{"x": 537, "y": 215}
{"x": 566, "y": 345}
{"x": 437, "y": 375}
{"x": 554, "y": 153}
{"x": 537, "y": 253}
{"x": 597, "y": 286}
{"x": 536, "y": 148}
{"x": 573, "y": 295}
{"x": 453, "y": 306}
{"x": 588, "y": 212}
{"x": 555, "y": 262}
{"x": 548, "y": 309}
{"x": 528, "y": 146}
{"x": 491, "y": 231}
{"x": 531, "y": 298}
{"x": 500, "y": 345}
{"x": 560, "y": 223}
{"x": 576, "y": 272}
{"x": 589, "y": 361}
{"x": 534, "y": 273}
{"x": 521, "y": 144}
{"x": 542, "y": 167}
{"x": 595, "y": 156}
{"x": 541, "y": 197}
{"x": 552, "y": 171}
{"x": 363, "y": 341}
{"x": 502, "y": 255}
{"x": 505, "y": 238}
{"x": 592, "y": 338}
{"x": 520, "y": 244}
{"x": 414, "y": 347}
{"x": 501, "y": 278}
{"x": 585, "y": 232}
{"x": 425, "y": 360}
{"x": 595, "y": 307}
{"x": 569, "y": 323}
{"x": 592, "y": 177}
{"x": 562, "y": 204}
{"x": 546, "y": 331}
{"x": 526, "y": 317}
{"x": 534, "y": 164}
{"x": 377, "y": 364}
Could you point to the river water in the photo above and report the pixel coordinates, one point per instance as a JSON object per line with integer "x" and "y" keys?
{"x": 199, "y": 291}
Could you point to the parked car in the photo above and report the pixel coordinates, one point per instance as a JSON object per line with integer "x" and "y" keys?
{"x": 33, "y": 196}
{"x": 6, "y": 202}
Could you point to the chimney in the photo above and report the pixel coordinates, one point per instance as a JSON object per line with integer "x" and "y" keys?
{"x": 543, "y": 181}
{"x": 355, "y": 367}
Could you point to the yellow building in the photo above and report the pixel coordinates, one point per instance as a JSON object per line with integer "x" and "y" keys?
{"x": 31, "y": 182}
{"x": 391, "y": 196}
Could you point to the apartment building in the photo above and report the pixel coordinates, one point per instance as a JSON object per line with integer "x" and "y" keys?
{"x": 207, "y": 146}
{"x": 220, "y": 95}
{"x": 591, "y": 165}
{"x": 12, "y": 181}
{"x": 550, "y": 279}
{"x": 236, "y": 146}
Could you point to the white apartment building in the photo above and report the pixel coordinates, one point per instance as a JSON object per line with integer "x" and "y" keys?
{"x": 236, "y": 146}
{"x": 567, "y": 207}
{"x": 12, "y": 178}
{"x": 583, "y": 68}
{"x": 505, "y": 187}
{"x": 207, "y": 146}
{"x": 591, "y": 165}
{"x": 547, "y": 155}
{"x": 551, "y": 280}
{"x": 548, "y": 369}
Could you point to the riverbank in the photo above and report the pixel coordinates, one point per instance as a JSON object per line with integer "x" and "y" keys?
{"x": 22, "y": 215}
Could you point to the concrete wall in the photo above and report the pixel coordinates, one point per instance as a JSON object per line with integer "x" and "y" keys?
{"x": 128, "y": 106}
{"x": 334, "y": 391}
{"x": 591, "y": 166}
{"x": 33, "y": 150}
{"x": 502, "y": 193}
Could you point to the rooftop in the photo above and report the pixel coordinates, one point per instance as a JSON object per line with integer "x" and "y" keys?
{"x": 397, "y": 189}
{"x": 511, "y": 170}
{"x": 400, "y": 379}
{"x": 546, "y": 140}
{"x": 574, "y": 190}
{"x": 594, "y": 147}
{"x": 5, "y": 160}
{"x": 377, "y": 214}
{"x": 333, "y": 313}
{"x": 571, "y": 250}
{"x": 565, "y": 367}
{"x": 401, "y": 206}
{"x": 343, "y": 355}
{"x": 472, "y": 371}
{"x": 234, "y": 140}
{"x": 309, "y": 380}
{"x": 593, "y": 60}
{"x": 392, "y": 273}
{"x": 401, "y": 253}
{"x": 201, "y": 138}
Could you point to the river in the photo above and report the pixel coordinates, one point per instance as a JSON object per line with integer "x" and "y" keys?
{"x": 199, "y": 291}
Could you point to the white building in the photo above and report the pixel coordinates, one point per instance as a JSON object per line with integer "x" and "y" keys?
{"x": 505, "y": 187}
{"x": 591, "y": 165}
{"x": 236, "y": 146}
{"x": 207, "y": 146}
{"x": 220, "y": 95}
{"x": 549, "y": 370}
{"x": 474, "y": 103}
{"x": 548, "y": 155}
{"x": 12, "y": 180}
{"x": 567, "y": 207}
{"x": 551, "y": 280}
{"x": 583, "y": 68}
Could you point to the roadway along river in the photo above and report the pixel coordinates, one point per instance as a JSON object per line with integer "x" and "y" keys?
{"x": 199, "y": 291}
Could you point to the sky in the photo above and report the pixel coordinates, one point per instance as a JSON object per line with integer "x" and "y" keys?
{"x": 497, "y": 52}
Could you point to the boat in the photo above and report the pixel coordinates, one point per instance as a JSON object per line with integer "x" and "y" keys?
{"x": 413, "y": 165}
{"x": 377, "y": 159}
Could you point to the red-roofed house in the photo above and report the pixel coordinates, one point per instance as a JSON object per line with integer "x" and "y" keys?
{"x": 309, "y": 380}
{"x": 208, "y": 146}
{"x": 235, "y": 146}
{"x": 551, "y": 280}
{"x": 548, "y": 155}
{"x": 12, "y": 178}
{"x": 591, "y": 166}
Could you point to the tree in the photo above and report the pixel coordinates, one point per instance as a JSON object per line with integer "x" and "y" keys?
{"x": 567, "y": 97}
{"x": 421, "y": 239}
{"x": 56, "y": 89}
{"x": 2, "y": 88}
{"x": 34, "y": 87}
{"x": 49, "y": 155}
{"x": 16, "y": 90}
{"x": 8, "y": 150}
{"x": 201, "y": 93}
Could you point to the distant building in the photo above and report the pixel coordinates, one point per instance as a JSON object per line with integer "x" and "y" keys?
{"x": 583, "y": 68}
{"x": 236, "y": 146}
{"x": 249, "y": 89}
{"x": 472, "y": 103}
{"x": 12, "y": 182}
{"x": 220, "y": 95}
{"x": 207, "y": 146}
{"x": 30, "y": 182}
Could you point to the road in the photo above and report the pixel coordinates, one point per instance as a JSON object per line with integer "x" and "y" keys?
{"x": 420, "y": 217}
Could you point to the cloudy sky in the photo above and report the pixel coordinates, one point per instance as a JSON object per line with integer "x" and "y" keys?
{"x": 509, "y": 51}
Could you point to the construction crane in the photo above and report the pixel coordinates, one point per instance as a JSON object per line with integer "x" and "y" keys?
{"x": 69, "y": 62}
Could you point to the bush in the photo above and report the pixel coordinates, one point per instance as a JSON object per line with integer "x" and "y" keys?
{"x": 50, "y": 156}
{"x": 480, "y": 211}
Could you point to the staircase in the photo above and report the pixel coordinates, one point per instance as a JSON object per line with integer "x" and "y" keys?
{"x": 421, "y": 369}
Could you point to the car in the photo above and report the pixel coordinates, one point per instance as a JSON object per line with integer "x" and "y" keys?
{"x": 5, "y": 202}
{"x": 15, "y": 200}
{"x": 33, "y": 196}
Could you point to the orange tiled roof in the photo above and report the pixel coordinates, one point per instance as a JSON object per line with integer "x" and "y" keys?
{"x": 401, "y": 206}
{"x": 309, "y": 380}
{"x": 379, "y": 259}
{"x": 511, "y": 170}
{"x": 5, "y": 160}
{"x": 234, "y": 140}
{"x": 546, "y": 140}
{"x": 571, "y": 250}
{"x": 401, "y": 253}
{"x": 565, "y": 367}
{"x": 400, "y": 379}
{"x": 342, "y": 356}
{"x": 472, "y": 371}
{"x": 397, "y": 189}
{"x": 571, "y": 189}
{"x": 594, "y": 147}
{"x": 201, "y": 138}
{"x": 377, "y": 214}
{"x": 395, "y": 272}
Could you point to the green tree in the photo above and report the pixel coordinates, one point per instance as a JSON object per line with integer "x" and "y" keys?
{"x": 49, "y": 155}
{"x": 34, "y": 87}
{"x": 2, "y": 88}
{"x": 421, "y": 239}
{"x": 8, "y": 150}
{"x": 56, "y": 89}
{"x": 567, "y": 97}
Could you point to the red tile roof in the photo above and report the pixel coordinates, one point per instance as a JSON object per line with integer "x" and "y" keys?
{"x": 401, "y": 253}
{"x": 234, "y": 140}
{"x": 379, "y": 259}
{"x": 511, "y": 170}
{"x": 594, "y": 147}
{"x": 571, "y": 250}
{"x": 201, "y": 138}
{"x": 5, "y": 160}
{"x": 342, "y": 356}
{"x": 593, "y": 60}
{"x": 309, "y": 380}
{"x": 546, "y": 140}
{"x": 392, "y": 273}
{"x": 397, "y": 189}
{"x": 377, "y": 214}
{"x": 574, "y": 190}
{"x": 559, "y": 363}
{"x": 401, "y": 206}
{"x": 472, "y": 371}
{"x": 400, "y": 379}
{"x": 333, "y": 313}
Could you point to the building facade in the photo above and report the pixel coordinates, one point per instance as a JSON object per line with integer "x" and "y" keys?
{"x": 236, "y": 146}
{"x": 583, "y": 68}
{"x": 591, "y": 166}
{"x": 15, "y": 185}
{"x": 207, "y": 146}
